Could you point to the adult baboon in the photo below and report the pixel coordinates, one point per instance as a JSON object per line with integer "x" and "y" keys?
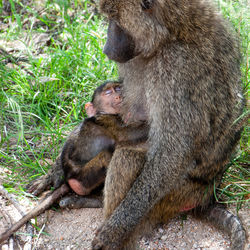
{"x": 180, "y": 61}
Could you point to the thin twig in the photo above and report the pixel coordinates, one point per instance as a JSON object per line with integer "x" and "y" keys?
{"x": 39, "y": 236}
{"x": 18, "y": 207}
{"x": 30, "y": 230}
{"x": 11, "y": 243}
{"x": 7, "y": 218}
{"x": 11, "y": 198}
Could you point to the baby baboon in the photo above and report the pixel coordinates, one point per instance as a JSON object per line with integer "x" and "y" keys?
{"x": 85, "y": 158}
{"x": 181, "y": 63}
{"x": 86, "y": 154}
{"x": 88, "y": 149}
{"x": 111, "y": 105}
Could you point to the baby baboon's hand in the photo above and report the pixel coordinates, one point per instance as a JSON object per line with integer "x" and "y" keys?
{"x": 113, "y": 121}
{"x": 54, "y": 178}
{"x": 39, "y": 185}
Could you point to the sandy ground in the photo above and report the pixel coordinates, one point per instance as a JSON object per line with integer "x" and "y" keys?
{"x": 74, "y": 229}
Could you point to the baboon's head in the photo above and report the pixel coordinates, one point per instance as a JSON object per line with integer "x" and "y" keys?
{"x": 133, "y": 28}
{"x": 140, "y": 27}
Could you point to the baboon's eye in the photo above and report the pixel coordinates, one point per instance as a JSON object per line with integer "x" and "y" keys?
{"x": 147, "y": 4}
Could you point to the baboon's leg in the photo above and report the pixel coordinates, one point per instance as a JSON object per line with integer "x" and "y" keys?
{"x": 123, "y": 169}
{"x": 125, "y": 166}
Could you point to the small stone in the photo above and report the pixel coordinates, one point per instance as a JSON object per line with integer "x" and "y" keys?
{"x": 5, "y": 247}
{"x": 183, "y": 244}
{"x": 164, "y": 237}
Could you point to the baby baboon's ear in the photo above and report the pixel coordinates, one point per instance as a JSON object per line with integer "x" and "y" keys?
{"x": 90, "y": 110}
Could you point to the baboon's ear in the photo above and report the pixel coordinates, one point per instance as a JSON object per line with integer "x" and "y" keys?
{"x": 147, "y": 4}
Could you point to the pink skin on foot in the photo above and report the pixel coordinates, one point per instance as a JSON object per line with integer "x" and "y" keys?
{"x": 77, "y": 187}
{"x": 187, "y": 208}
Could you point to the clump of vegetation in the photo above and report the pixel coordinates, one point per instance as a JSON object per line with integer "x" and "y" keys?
{"x": 50, "y": 61}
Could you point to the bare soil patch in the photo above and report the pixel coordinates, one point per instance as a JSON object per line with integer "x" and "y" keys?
{"x": 75, "y": 228}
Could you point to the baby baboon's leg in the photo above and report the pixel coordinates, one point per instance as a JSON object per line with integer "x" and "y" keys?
{"x": 75, "y": 201}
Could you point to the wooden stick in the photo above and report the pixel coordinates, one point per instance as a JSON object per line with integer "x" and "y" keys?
{"x": 11, "y": 198}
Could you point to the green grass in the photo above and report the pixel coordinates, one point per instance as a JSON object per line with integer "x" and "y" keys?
{"x": 235, "y": 186}
{"x": 44, "y": 99}
{"x": 43, "y": 91}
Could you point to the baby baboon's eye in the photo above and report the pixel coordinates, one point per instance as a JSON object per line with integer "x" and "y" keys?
{"x": 117, "y": 89}
{"x": 108, "y": 91}
{"x": 147, "y": 4}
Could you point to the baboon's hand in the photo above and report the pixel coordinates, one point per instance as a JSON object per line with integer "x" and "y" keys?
{"x": 39, "y": 185}
{"x": 105, "y": 239}
{"x": 54, "y": 178}
{"x": 112, "y": 121}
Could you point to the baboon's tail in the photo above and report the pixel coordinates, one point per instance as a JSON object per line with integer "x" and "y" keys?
{"x": 223, "y": 219}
